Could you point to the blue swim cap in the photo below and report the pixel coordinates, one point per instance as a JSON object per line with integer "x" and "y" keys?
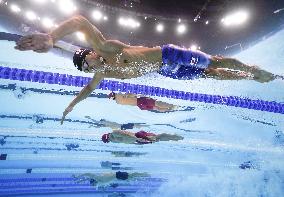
{"x": 79, "y": 57}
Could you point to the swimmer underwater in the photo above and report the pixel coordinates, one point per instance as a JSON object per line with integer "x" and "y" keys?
{"x": 114, "y": 59}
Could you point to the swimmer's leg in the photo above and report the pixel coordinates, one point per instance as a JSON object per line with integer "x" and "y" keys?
{"x": 83, "y": 177}
{"x": 140, "y": 125}
{"x": 224, "y": 74}
{"x": 168, "y": 137}
{"x": 231, "y": 63}
{"x": 163, "y": 106}
{"x": 136, "y": 175}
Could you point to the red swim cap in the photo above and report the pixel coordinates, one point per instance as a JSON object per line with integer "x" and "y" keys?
{"x": 105, "y": 138}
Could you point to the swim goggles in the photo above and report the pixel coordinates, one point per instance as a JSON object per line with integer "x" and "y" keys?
{"x": 111, "y": 96}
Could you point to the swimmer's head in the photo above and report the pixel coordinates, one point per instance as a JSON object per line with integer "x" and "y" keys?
{"x": 111, "y": 96}
{"x": 87, "y": 60}
{"x": 105, "y": 138}
{"x": 79, "y": 58}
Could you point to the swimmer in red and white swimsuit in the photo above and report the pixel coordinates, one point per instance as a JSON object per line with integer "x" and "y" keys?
{"x": 144, "y": 103}
{"x": 141, "y": 137}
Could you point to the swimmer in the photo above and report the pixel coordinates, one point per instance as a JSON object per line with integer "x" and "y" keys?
{"x": 126, "y": 154}
{"x": 114, "y": 59}
{"x": 105, "y": 179}
{"x": 144, "y": 103}
{"x": 114, "y": 125}
{"x": 141, "y": 137}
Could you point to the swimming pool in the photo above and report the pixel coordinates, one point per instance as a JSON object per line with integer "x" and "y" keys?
{"x": 226, "y": 150}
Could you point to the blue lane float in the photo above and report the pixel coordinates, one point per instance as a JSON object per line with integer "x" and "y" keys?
{"x": 79, "y": 81}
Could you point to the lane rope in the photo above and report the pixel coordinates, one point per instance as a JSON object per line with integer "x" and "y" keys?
{"x": 79, "y": 81}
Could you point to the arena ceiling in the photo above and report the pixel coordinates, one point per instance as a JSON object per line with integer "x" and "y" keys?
{"x": 265, "y": 17}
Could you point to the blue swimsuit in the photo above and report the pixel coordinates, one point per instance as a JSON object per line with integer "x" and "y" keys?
{"x": 181, "y": 63}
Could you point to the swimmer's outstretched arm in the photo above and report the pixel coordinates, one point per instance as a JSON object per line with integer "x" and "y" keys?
{"x": 43, "y": 42}
{"x": 79, "y": 23}
{"x": 84, "y": 93}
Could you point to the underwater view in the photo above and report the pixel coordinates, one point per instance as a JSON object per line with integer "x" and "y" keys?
{"x": 91, "y": 105}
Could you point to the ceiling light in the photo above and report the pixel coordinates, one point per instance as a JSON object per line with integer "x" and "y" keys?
{"x": 236, "y": 18}
{"x": 193, "y": 47}
{"x": 67, "y": 6}
{"x": 160, "y": 28}
{"x": 15, "y": 8}
{"x": 47, "y": 22}
{"x": 39, "y": 1}
{"x": 181, "y": 28}
{"x": 132, "y": 23}
{"x": 80, "y": 36}
{"x": 121, "y": 21}
{"x": 31, "y": 15}
{"x": 129, "y": 22}
{"x": 97, "y": 15}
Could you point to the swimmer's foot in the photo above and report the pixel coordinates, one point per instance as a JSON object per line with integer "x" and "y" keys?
{"x": 279, "y": 77}
{"x": 175, "y": 108}
{"x": 177, "y": 137}
{"x": 263, "y": 76}
{"x": 168, "y": 137}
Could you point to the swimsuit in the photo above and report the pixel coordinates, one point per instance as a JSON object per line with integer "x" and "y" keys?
{"x": 122, "y": 175}
{"x": 145, "y": 103}
{"x": 93, "y": 182}
{"x": 144, "y": 135}
{"x": 181, "y": 63}
{"x": 119, "y": 175}
{"x": 127, "y": 126}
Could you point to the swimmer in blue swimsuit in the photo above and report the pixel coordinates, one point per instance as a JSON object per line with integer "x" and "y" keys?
{"x": 114, "y": 59}
{"x": 114, "y": 125}
{"x": 107, "y": 179}
{"x": 182, "y": 63}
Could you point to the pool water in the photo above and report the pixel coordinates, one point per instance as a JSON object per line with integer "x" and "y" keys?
{"x": 226, "y": 151}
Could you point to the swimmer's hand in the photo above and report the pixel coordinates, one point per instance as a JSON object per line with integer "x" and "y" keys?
{"x": 38, "y": 42}
{"x": 67, "y": 110}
